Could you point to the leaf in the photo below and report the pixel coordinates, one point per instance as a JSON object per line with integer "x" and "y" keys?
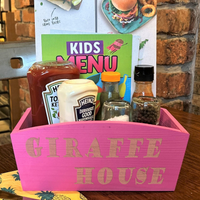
{"x": 16, "y": 176}
{"x": 48, "y": 195}
{"x": 54, "y": 115}
{"x": 52, "y": 108}
{"x": 10, "y": 190}
{"x": 143, "y": 43}
{"x": 115, "y": 10}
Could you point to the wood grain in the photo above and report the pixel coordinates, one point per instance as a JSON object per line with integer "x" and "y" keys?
{"x": 100, "y": 156}
{"x": 8, "y": 17}
{"x": 188, "y": 185}
{"x": 14, "y": 102}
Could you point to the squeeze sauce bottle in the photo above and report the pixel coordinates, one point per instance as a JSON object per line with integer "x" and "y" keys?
{"x": 77, "y": 100}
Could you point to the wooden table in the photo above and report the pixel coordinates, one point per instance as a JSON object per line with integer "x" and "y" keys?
{"x": 188, "y": 186}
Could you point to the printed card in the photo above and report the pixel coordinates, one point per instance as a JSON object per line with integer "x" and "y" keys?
{"x": 94, "y": 54}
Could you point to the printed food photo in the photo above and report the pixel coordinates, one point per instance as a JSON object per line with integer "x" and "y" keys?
{"x": 128, "y": 15}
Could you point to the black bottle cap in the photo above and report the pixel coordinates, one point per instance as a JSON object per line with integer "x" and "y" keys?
{"x": 144, "y": 73}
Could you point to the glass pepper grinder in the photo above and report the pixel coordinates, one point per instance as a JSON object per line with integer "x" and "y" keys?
{"x": 110, "y": 89}
{"x": 143, "y": 76}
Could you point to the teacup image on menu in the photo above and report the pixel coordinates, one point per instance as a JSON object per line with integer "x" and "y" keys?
{"x": 128, "y": 15}
{"x": 67, "y": 4}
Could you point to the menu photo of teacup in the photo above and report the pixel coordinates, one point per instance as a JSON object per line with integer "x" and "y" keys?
{"x": 67, "y": 4}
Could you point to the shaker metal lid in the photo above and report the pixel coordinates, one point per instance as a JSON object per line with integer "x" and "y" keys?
{"x": 144, "y": 73}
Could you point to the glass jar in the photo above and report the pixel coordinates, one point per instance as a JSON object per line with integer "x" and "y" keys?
{"x": 44, "y": 79}
{"x": 145, "y": 110}
{"x": 110, "y": 89}
{"x": 116, "y": 110}
{"x": 143, "y": 76}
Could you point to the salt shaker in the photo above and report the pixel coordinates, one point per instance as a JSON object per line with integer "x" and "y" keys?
{"x": 116, "y": 110}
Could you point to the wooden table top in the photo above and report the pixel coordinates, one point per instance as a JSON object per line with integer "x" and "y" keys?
{"x": 188, "y": 185}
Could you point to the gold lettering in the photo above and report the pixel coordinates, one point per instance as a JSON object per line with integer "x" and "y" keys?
{"x": 152, "y": 148}
{"x": 52, "y": 147}
{"x": 95, "y": 149}
{"x": 70, "y": 148}
{"x": 30, "y": 147}
{"x": 133, "y": 147}
{"x": 81, "y": 175}
{"x": 141, "y": 176}
{"x": 122, "y": 175}
{"x": 114, "y": 147}
{"x": 105, "y": 179}
{"x": 156, "y": 175}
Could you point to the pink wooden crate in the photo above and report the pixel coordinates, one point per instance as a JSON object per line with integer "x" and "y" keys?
{"x": 99, "y": 155}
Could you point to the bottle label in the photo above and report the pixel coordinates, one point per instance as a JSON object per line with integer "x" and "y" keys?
{"x": 85, "y": 111}
{"x": 50, "y": 99}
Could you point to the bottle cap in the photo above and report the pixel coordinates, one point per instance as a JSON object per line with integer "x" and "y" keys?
{"x": 144, "y": 73}
{"x": 110, "y": 76}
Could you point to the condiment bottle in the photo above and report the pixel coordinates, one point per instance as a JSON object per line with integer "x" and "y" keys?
{"x": 143, "y": 76}
{"x": 77, "y": 100}
{"x": 44, "y": 79}
{"x": 110, "y": 88}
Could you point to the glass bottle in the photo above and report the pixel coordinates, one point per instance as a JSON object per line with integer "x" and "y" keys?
{"x": 44, "y": 79}
{"x": 110, "y": 89}
{"x": 143, "y": 76}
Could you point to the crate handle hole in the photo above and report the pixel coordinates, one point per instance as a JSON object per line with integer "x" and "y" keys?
{"x": 16, "y": 62}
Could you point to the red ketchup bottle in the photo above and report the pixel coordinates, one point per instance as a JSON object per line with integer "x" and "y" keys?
{"x": 44, "y": 79}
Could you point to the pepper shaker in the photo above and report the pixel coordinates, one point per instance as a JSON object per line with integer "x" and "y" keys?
{"x": 145, "y": 110}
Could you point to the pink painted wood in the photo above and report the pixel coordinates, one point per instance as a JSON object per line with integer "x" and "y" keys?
{"x": 105, "y": 156}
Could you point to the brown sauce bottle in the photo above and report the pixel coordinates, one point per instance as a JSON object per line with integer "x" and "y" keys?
{"x": 143, "y": 76}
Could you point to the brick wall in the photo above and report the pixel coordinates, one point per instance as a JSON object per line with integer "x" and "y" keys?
{"x": 177, "y": 34}
{"x": 24, "y": 16}
{"x": 178, "y": 80}
{"x": 196, "y": 92}
{"x": 24, "y": 94}
{"x": 25, "y": 30}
